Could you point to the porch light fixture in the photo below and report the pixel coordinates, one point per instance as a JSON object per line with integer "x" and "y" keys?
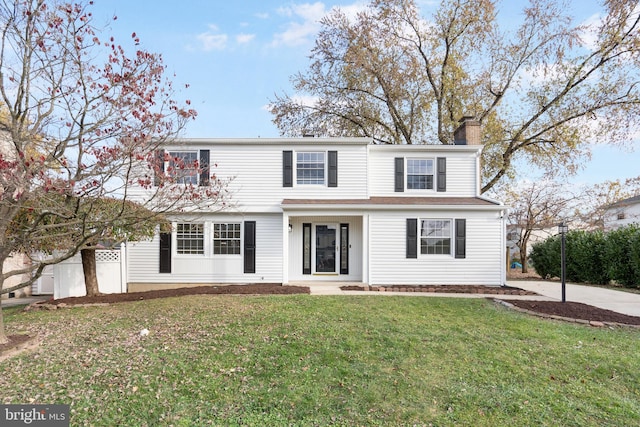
{"x": 290, "y": 228}
{"x": 563, "y": 229}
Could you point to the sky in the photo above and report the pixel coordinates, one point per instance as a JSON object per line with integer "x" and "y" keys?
{"x": 237, "y": 55}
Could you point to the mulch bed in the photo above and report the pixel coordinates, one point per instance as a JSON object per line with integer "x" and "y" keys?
{"x": 14, "y": 341}
{"x": 16, "y": 345}
{"x": 568, "y": 310}
{"x": 576, "y": 310}
{"x": 253, "y": 289}
{"x": 451, "y": 289}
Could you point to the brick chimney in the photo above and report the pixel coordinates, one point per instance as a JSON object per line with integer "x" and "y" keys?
{"x": 468, "y": 133}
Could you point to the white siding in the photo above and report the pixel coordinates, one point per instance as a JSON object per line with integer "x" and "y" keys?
{"x": 621, "y": 216}
{"x": 257, "y": 174}
{"x": 364, "y": 171}
{"x": 461, "y": 169}
{"x": 143, "y": 257}
{"x": 389, "y": 265}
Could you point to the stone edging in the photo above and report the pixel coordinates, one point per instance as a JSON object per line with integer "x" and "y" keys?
{"x": 593, "y": 323}
{"x": 486, "y": 290}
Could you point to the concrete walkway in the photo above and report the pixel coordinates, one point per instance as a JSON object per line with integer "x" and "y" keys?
{"x": 618, "y": 301}
{"x": 11, "y": 302}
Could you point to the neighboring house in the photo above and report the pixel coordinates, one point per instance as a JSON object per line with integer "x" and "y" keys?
{"x": 622, "y": 213}
{"x": 537, "y": 235}
{"x": 332, "y": 209}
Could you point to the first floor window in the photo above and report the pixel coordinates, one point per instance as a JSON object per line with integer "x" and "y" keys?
{"x": 310, "y": 168}
{"x": 420, "y": 174}
{"x": 226, "y": 239}
{"x": 190, "y": 238}
{"x": 435, "y": 236}
{"x": 183, "y": 167}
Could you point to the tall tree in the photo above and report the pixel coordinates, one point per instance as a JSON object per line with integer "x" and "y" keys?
{"x": 541, "y": 91}
{"x": 535, "y": 206}
{"x": 81, "y": 121}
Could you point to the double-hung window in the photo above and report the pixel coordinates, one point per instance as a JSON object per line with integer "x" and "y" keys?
{"x": 190, "y": 239}
{"x": 310, "y": 168}
{"x": 420, "y": 174}
{"x": 435, "y": 236}
{"x": 183, "y": 167}
{"x": 226, "y": 239}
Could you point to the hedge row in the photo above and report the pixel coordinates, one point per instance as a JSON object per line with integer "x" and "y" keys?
{"x": 592, "y": 257}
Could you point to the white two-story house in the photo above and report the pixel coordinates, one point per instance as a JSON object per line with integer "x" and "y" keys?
{"x": 311, "y": 210}
{"x": 622, "y": 213}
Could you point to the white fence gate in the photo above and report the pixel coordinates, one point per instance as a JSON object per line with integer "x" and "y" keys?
{"x": 68, "y": 277}
{"x": 44, "y": 284}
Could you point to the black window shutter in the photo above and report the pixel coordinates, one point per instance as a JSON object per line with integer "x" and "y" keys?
{"x": 344, "y": 248}
{"x": 165, "y": 252}
{"x": 249, "y": 246}
{"x": 399, "y": 174}
{"x": 333, "y": 168}
{"x": 442, "y": 174}
{"x": 205, "y": 171}
{"x": 287, "y": 168}
{"x": 159, "y": 167}
{"x": 306, "y": 248}
{"x": 461, "y": 238}
{"x": 412, "y": 238}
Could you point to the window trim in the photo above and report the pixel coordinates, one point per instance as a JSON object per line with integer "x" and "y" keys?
{"x": 324, "y": 168}
{"x": 433, "y": 174}
{"x": 450, "y": 237}
{"x": 178, "y": 239}
{"x": 170, "y": 170}
{"x": 239, "y": 239}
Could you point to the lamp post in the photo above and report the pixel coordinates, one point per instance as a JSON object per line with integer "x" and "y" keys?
{"x": 563, "y": 229}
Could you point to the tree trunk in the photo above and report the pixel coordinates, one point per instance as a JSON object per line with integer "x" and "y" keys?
{"x": 3, "y": 335}
{"x": 523, "y": 258}
{"x": 89, "y": 269}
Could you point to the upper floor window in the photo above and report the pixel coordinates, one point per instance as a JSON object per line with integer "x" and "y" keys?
{"x": 310, "y": 168}
{"x": 621, "y": 215}
{"x": 226, "y": 239}
{"x": 435, "y": 236}
{"x": 420, "y": 174}
{"x": 190, "y": 238}
{"x": 183, "y": 167}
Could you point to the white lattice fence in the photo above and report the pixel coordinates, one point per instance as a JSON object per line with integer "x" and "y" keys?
{"x": 68, "y": 277}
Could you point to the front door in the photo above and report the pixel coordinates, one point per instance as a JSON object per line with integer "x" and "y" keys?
{"x": 326, "y": 249}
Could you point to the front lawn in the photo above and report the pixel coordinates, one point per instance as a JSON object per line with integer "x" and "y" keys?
{"x": 309, "y": 360}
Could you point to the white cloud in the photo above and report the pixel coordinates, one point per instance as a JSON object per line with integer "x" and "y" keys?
{"x": 305, "y": 26}
{"x": 212, "y": 40}
{"x": 245, "y": 38}
{"x": 589, "y": 35}
{"x": 305, "y": 21}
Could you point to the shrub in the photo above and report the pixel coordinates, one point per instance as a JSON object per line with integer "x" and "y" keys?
{"x": 545, "y": 257}
{"x": 585, "y": 253}
{"x": 622, "y": 255}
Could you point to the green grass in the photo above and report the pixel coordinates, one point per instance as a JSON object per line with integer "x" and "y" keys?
{"x": 306, "y": 360}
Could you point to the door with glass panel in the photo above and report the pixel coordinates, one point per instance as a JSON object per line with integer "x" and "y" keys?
{"x": 326, "y": 249}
